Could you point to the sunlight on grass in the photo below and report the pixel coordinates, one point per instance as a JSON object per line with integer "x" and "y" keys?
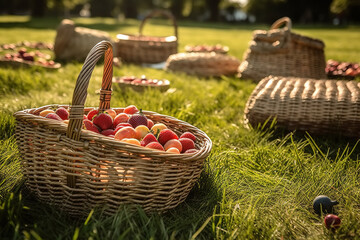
{"x": 257, "y": 183}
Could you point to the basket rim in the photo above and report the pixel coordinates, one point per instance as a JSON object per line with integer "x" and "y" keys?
{"x": 86, "y": 135}
{"x": 141, "y": 38}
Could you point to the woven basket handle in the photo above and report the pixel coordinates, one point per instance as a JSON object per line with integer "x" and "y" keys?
{"x": 80, "y": 92}
{"x": 160, "y": 12}
{"x": 284, "y": 20}
{"x": 273, "y": 41}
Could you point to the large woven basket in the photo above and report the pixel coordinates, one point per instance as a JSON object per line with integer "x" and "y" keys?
{"x": 148, "y": 49}
{"x": 74, "y": 43}
{"x": 280, "y": 52}
{"x": 203, "y": 64}
{"x": 317, "y": 106}
{"x": 78, "y": 170}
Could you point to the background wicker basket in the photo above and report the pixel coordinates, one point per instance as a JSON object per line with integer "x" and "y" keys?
{"x": 280, "y": 52}
{"x": 148, "y": 49}
{"x": 315, "y": 105}
{"x": 203, "y": 64}
{"x": 78, "y": 169}
{"x": 161, "y": 85}
{"x": 74, "y": 43}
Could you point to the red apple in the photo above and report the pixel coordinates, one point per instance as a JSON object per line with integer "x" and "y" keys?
{"x": 332, "y": 221}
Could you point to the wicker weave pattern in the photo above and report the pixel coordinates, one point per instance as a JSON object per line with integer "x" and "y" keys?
{"x": 283, "y": 53}
{"x": 316, "y": 106}
{"x": 203, "y": 64}
{"x": 148, "y": 49}
{"x": 78, "y": 169}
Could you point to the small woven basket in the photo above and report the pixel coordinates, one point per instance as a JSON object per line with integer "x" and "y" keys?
{"x": 148, "y": 49}
{"x": 78, "y": 170}
{"x": 280, "y": 52}
{"x": 318, "y": 106}
{"x": 203, "y": 64}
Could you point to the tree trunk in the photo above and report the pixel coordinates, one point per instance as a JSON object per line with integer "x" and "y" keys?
{"x": 176, "y": 8}
{"x": 213, "y": 6}
{"x": 38, "y": 8}
{"x": 130, "y": 8}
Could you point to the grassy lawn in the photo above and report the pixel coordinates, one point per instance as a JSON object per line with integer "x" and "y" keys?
{"x": 256, "y": 184}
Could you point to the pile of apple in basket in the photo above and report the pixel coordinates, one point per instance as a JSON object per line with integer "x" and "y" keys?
{"x": 130, "y": 126}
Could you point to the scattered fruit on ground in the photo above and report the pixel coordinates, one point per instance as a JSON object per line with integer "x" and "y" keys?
{"x": 131, "y": 109}
{"x": 28, "y": 56}
{"x": 188, "y": 135}
{"x": 148, "y": 139}
{"x": 103, "y": 120}
{"x": 337, "y": 69}
{"x": 186, "y": 143}
{"x": 332, "y": 221}
{"x": 62, "y": 113}
{"x": 173, "y": 150}
{"x": 173, "y": 143}
{"x": 155, "y": 145}
{"x": 45, "y": 112}
{"x": 138, "y": 119}
{"x": 166, "y": 135}
{"x": 125, "y": 132}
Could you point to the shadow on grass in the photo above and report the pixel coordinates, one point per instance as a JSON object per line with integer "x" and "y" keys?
{"x": 324, "y": 142}
{"x": 24, "y": 213}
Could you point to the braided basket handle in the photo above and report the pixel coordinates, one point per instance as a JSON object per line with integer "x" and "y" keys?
{"x": 273, "y": 41}
{"x": 160, "y": 12}
{"x": 284, "y": 20}
{"x": 80, "y": 92}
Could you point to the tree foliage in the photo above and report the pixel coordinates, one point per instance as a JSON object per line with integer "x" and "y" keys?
{"x": 298, "y": 10}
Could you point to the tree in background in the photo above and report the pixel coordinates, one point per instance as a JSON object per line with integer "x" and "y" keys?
{"x": 129, "y": 8}
{"x": 305, "y": 11}
{"x": 177, "y": 7}
{"x": 346, "y": 9}
{"x": 213, "y": 6}
{"x": 38, "y": 8}
{"x": 61, "y": 7}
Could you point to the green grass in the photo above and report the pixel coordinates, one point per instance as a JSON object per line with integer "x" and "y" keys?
{"x": 256, "y": 184}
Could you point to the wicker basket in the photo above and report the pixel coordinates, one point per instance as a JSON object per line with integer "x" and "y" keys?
{"x": 161, "y": 85}
{"x": 147, "y": 49}
{"x": 318, "y": 106}
{"x": 78, "y": 170}
{"x": 74, "y": 43}
{"x": 203, "y": 64}
{"x": 279, "y": 52}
